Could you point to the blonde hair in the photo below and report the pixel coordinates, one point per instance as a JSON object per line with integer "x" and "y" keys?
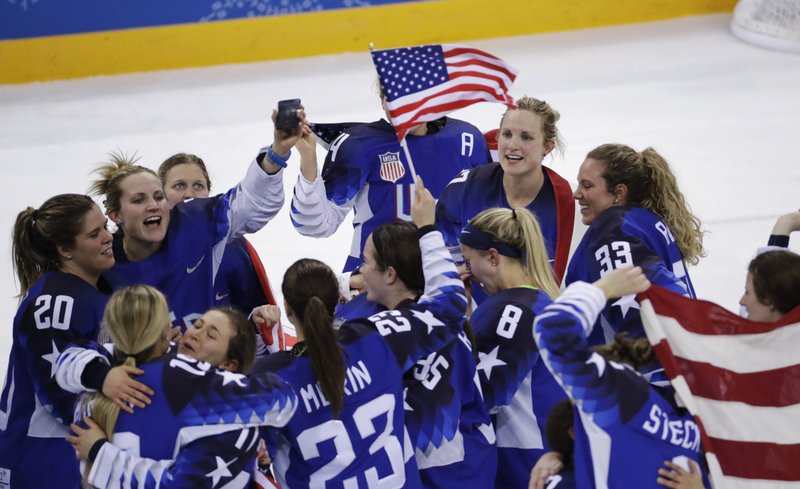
{"x": 520, "y": 229}
{"x": 112, "y": 174}
{"x": 136, "y": 318}
{"x": 652, "y": 185}
{"x": 549, "y": 116}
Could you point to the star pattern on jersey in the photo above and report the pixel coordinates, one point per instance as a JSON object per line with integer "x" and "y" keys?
{"x": 228, "y": 377}
{"x": 599, "y": 362}
{"x": 52, "y": 357}
{"x": 626, "y": 303}
{"x": 221, "y": 470}
{"x": 487, "y": 361}
{"x": 428, "y": 318}
{"x": 463, "y": 337}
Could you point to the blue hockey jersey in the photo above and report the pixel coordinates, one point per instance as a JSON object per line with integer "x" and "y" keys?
{"x": 519, "y": 390}
{"x": 455, "y": 440}
{"x": 367, "y": 446}
{"x": 239, "y": 284}
{"x": 563, "y": 480}
{"x": 628, "y": 236}
{"x": 34, "y": 411}
{"x": 445, "y": 413}
{"x": 186, "y": 266}
{"x": 204, "y": 413}
{"x": 366, "y": 170}
{"x": 482, "y": 188}
{"x": 626, "y": 427}
{"x": 473, "y": 191}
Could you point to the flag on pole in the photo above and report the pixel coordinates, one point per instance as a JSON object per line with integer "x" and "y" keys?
{"x": 740, "y": 379}
{"x": 424, "y": 83}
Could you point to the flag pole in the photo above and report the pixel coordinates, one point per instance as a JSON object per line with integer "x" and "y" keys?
{"x": 404, "y": 145}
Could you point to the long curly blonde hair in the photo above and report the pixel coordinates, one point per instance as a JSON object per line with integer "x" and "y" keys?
{"x": 652, "y": 185}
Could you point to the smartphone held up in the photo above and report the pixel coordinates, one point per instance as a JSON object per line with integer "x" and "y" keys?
{"x": 287, "y": 114}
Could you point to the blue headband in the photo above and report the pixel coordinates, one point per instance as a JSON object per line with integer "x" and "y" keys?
{"x": 481, "y": 240}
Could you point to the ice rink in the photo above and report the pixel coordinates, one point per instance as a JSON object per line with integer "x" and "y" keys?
{"x": 723, "y": 113}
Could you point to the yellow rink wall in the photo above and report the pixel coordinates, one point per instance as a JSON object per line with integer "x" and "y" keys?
{"x": 324, "y": 32}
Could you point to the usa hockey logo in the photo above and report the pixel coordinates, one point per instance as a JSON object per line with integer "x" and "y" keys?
{"x": 392, "y": 168}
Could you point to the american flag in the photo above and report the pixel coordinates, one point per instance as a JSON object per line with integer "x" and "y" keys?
{"x": 262, "y": 481}
{"x": 740, "y": 379}
{"x": 424, "y": 83}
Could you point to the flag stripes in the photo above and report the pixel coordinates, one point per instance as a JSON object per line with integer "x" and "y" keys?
{"x": 740, "y": 379}
{"x": 766, "y": 388}
{"x": 753, "y": 460}
{"x": 424, "y": 83}
{"x": 727, "y": 342}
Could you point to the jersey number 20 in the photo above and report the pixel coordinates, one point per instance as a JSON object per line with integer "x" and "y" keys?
{"x": 53, "y": 313}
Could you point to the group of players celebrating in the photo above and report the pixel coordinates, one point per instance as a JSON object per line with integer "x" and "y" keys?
{"x": 154, "y": 353}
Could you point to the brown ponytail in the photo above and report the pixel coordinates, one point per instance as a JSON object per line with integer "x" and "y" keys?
{"x": 636, "y": 352}
{"x": 39, "y": 232}
{"x": 311, "y": 289}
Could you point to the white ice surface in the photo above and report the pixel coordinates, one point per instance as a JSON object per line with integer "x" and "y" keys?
{"x": 722, "y": 112}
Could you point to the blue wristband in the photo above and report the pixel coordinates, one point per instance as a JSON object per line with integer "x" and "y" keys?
{"x": 275, "y": 158}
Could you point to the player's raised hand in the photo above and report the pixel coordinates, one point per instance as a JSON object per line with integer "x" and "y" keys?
{"x": 307, "y": 142}
{"x": 423, "y": 211}
{"x": 787, "y": 224}
{"x": 307, "y": 147}
{"x": 284, "y": 140}
{"x": 266, "y": 315}
{"x": 549, "y": 464}
{"x": 622, "y": 282}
